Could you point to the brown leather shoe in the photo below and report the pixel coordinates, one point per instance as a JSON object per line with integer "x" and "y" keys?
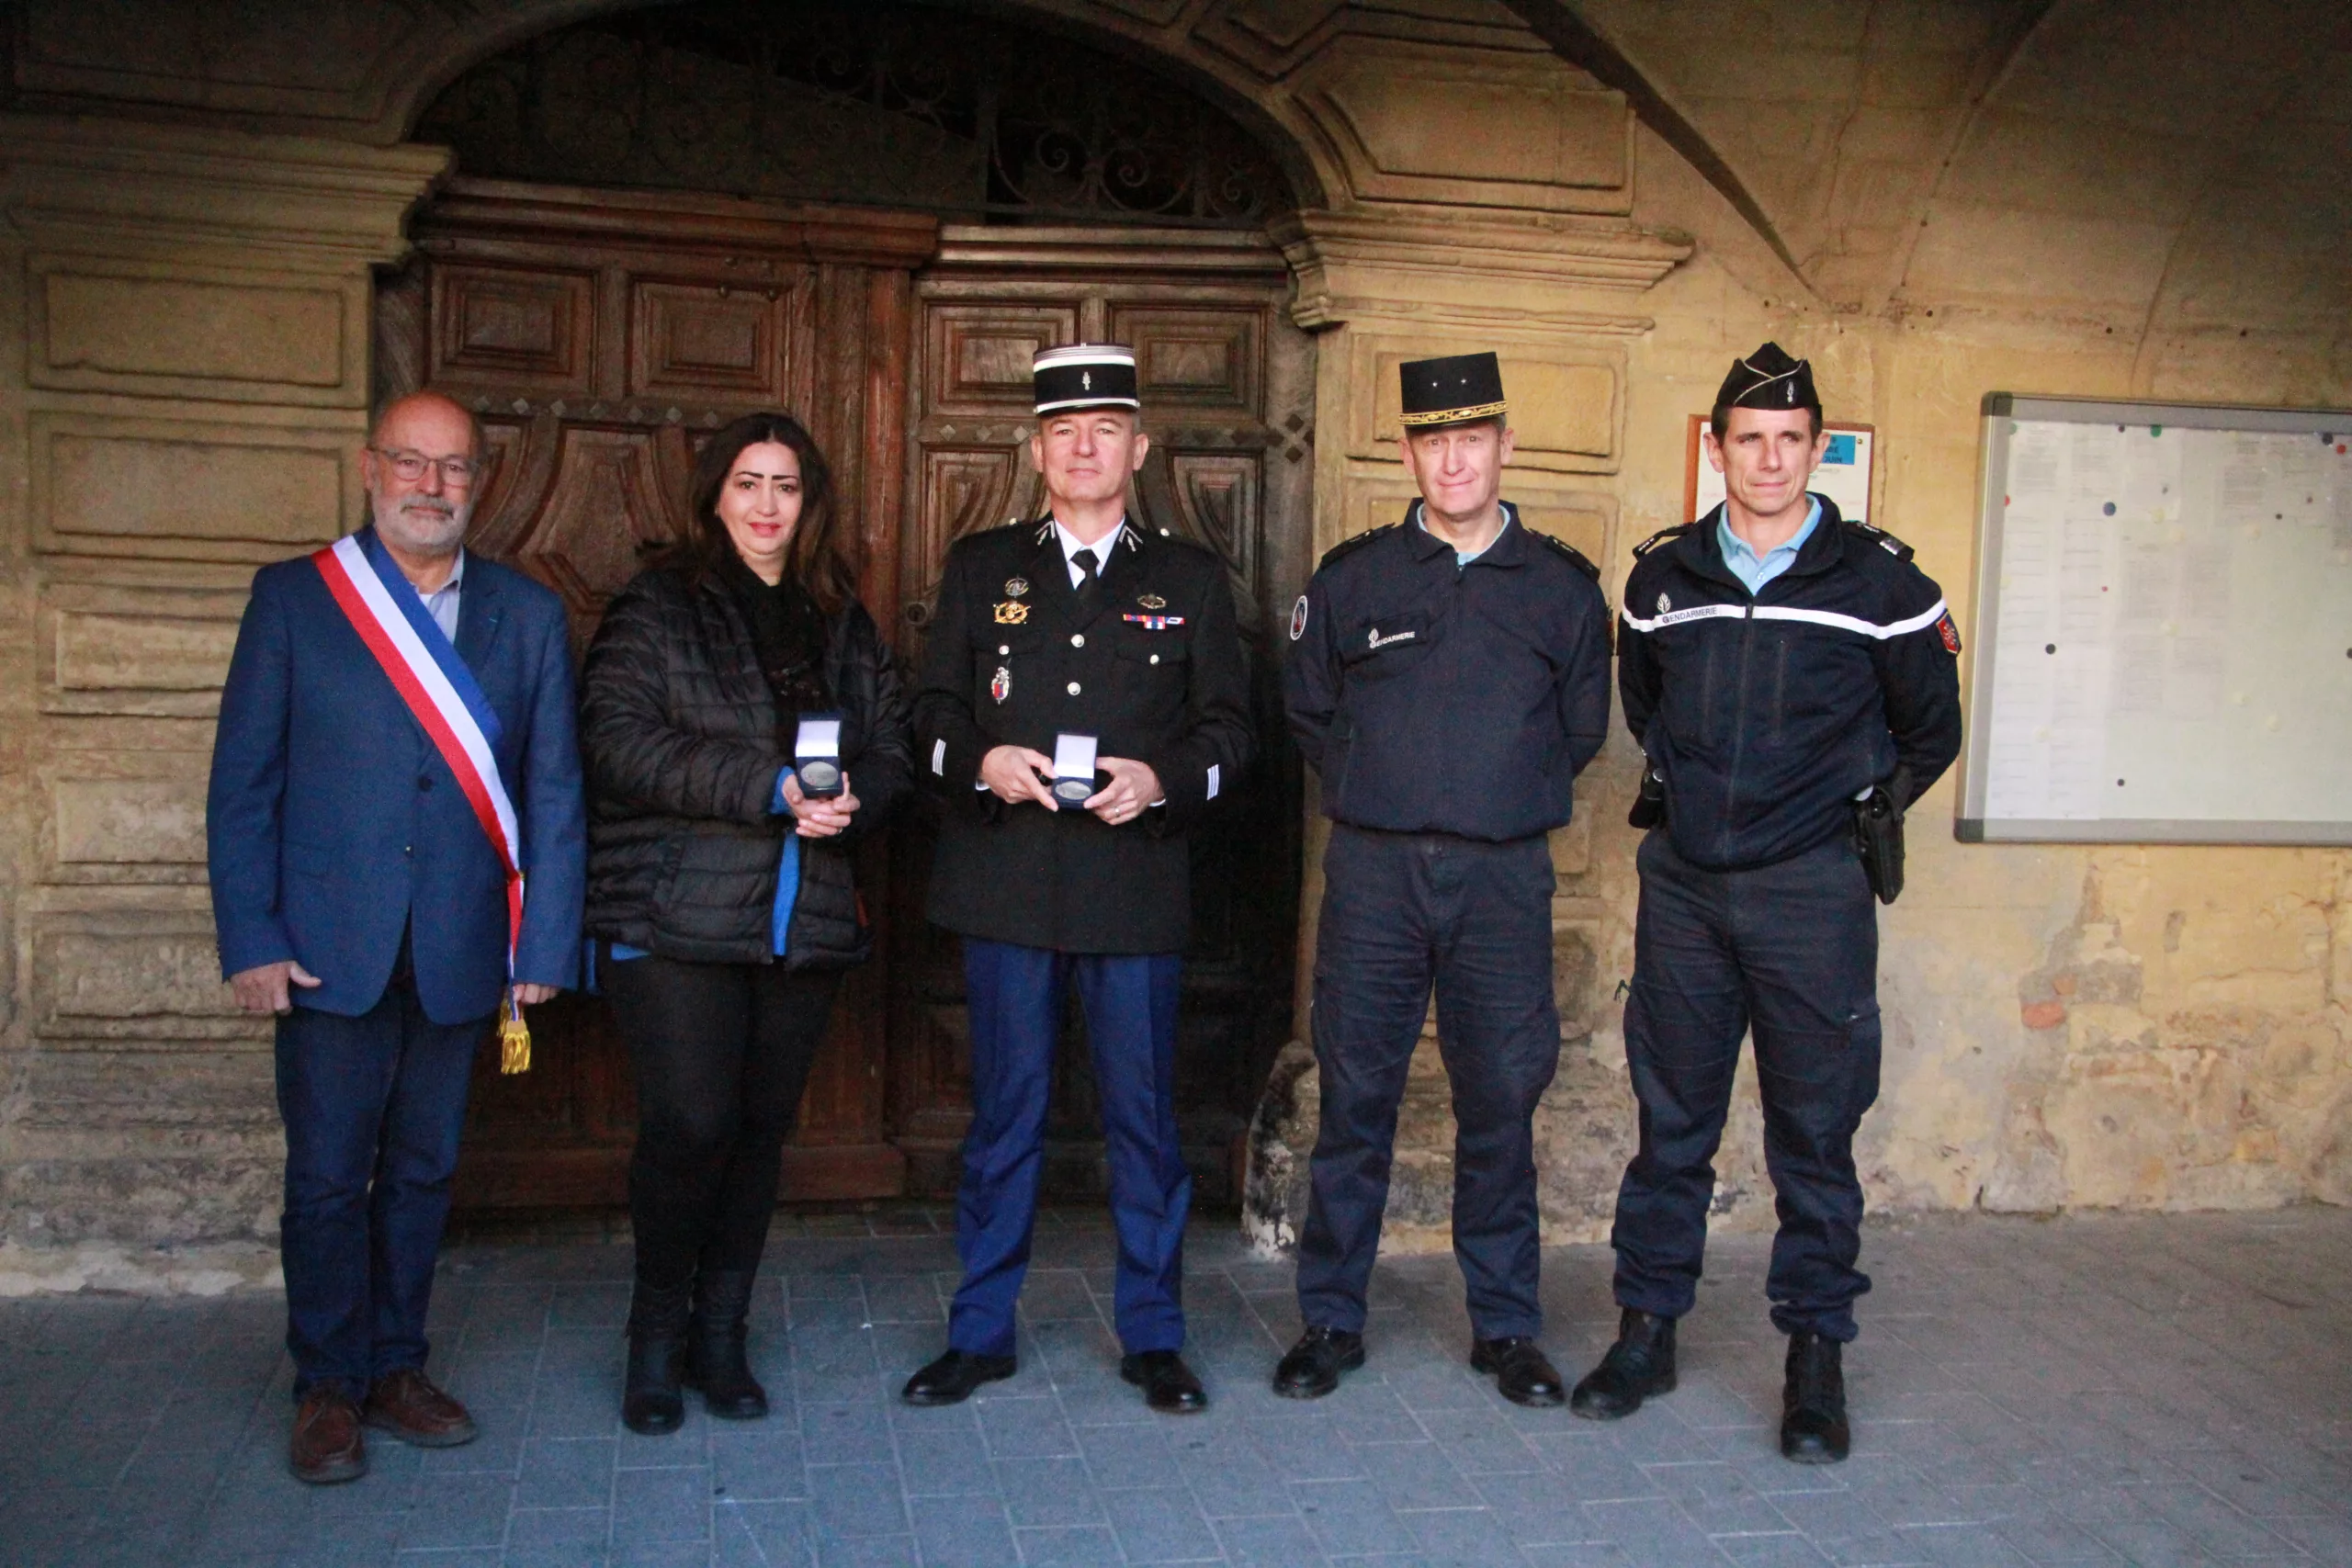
{"x": 406, "y": 1405}
{"x": 327, "y": 1445}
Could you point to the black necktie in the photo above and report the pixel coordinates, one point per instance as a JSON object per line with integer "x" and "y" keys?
{"x": 1089, "y": 586}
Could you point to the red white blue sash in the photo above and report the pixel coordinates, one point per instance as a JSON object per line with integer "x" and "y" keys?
{"x": 442, "y": 693}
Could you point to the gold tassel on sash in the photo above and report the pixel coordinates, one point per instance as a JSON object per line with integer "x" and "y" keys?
{"x": 514, "y": 1037}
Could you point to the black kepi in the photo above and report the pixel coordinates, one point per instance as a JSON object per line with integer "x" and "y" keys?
{"x": 1085, "y": 375}
{"x": 1770, "y": 379}
{"x": 1449, "y": 390}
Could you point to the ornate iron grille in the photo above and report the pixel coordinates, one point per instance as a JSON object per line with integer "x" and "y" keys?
{"x": 889, "y": 104}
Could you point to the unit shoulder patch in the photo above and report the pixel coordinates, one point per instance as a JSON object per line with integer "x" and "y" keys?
{"x": 1880, "y": 538}
{"x": 1576, "y": 557}
{"x": 1661, "y": 536}
{"x": 1348, "y": 547}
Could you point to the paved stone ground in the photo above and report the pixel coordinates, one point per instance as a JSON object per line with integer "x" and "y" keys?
{"x": 2092, "y": 1391}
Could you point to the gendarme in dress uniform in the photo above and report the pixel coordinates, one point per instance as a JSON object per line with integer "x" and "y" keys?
{"x": 1077, "y": 644}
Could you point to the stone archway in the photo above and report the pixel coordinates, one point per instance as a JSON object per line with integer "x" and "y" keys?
{"x": 1461, "y": 185}
{"x": 870, "y": 215}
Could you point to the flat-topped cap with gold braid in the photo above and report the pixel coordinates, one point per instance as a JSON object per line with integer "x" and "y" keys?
{"x": 1085, "y": 375}
{"x": 1451, "y": 391}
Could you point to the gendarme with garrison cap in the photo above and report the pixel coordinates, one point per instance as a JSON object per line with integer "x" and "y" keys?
{"x": 1448, "y": 678}
{"x": 1080, "y": 640}
{"x": 1791, "y": 677}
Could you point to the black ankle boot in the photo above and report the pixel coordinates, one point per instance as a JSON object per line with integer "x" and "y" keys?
{"x": 1812, "y": 1402}
{"x": 716, "y": 1361}
{"x": 650, "y": 1404}
{"x": 1640, "y": 1364}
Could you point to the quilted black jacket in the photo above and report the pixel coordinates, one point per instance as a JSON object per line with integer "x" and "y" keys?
{"x": 678, "y": 737}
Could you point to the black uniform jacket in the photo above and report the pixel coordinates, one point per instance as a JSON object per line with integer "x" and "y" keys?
{"x": 1155, "y": 674}
{"x": 1432, "y": 697}
{"x": 1767, "y": 714}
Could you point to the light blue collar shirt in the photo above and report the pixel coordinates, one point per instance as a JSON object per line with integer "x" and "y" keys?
{"x": 1421, "y": 520}
{"x": 1743, "y": 562}
{"x": 442, "y": 603}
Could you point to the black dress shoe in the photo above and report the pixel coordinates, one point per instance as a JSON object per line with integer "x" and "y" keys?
{"x": 1312, "y": 1368}
{"x": 1640, "y": 1364}
{"x": 952, "y": 1379}
{"x": 1167, "y": 1383}
{"x": 1812, "y": 1402}
{"x": 1522, "y": 1374}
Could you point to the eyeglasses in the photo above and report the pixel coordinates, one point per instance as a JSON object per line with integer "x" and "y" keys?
{"x": 456, "y": 472}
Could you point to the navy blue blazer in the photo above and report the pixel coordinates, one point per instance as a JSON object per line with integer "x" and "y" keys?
{"x": 332, "y": 819}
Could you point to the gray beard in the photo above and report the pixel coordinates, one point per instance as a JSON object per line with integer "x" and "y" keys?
{"x": 424, "y": 533}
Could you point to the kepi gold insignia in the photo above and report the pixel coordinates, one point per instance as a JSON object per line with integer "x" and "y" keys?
{"x": 1012, "y": 613}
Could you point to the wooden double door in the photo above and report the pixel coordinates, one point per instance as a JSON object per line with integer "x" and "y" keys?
{"x": 601, "y": 337}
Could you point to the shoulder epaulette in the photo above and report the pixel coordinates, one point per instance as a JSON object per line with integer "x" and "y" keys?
{"x": 1172, "y": 536}
{"x": 1350, "y": 545}
{"x": 1661, "y": 536}
{"x": 1576, "y": 557}
{"x": 1880, "y": 538}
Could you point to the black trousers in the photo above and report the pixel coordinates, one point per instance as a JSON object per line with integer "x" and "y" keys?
{"x": 1402, "y": 912}
{"x": 1792, "y": 952}
{"x": 722, "y": 1054}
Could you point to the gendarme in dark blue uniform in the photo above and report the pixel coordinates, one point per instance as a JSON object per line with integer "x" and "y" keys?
{"x": 1765, "y": 712}
{"x": 1447, "y": 708}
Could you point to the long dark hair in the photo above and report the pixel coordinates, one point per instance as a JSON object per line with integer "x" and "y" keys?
{"x": 814, "y": 557}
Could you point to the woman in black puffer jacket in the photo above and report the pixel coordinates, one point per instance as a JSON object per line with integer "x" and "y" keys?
{"x": 722, "y": 904}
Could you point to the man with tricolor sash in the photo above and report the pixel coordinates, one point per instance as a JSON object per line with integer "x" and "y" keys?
{"x": 397, "y": 850}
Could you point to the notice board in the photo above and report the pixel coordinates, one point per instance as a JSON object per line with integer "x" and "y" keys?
{"x": 2163, "y": 617}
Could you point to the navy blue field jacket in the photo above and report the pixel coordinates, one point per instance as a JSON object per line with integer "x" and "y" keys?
{"x": 1766, "y": 713}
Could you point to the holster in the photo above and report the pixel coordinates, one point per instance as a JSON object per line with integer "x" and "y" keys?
{"x": 1649, "y": 805}
{"x": 1878, "y": 834}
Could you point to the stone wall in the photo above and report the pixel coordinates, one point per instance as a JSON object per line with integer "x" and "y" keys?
{"x": 1932, "y": 201}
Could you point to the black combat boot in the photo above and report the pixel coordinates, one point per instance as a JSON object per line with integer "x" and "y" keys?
{"x": 650, "y": 1404}
{"x": 715, "y": 1359}
{"x": 1640, "y": 1364}
{"x": 1812, "y": 1402}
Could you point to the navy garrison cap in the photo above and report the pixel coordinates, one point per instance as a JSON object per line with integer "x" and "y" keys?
{"x": 1769, "y": 379}
{"x": 1447, "y": 391}
{"x": 1085, "y": 375}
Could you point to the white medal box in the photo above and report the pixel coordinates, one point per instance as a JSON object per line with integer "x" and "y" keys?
{"x": 817, "y": 755}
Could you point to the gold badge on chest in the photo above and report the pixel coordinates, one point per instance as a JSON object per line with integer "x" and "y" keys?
{"x": 1152, "y": 601}
{"x": 1012, "y": 613}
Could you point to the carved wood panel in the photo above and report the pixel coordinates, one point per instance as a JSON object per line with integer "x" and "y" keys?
{"x": 979, "y": 359}
{"x": 1189, "y": 360}
{"x": 601, "y": 337}
{"x": 711, "y": 343}
{"x": 533, "y": 331}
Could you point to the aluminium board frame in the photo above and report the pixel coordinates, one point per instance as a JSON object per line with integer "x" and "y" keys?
{"x": 1970, "y": 825}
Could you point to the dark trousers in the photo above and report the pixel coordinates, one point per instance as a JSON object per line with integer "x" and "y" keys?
{"x": 722, "y": 1054}
{"x": 1792, "y": 952}
{"x": 1402, "y": 912}
{"x": 373, "y": 1108}
{"x": 1016, "y": 1008}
